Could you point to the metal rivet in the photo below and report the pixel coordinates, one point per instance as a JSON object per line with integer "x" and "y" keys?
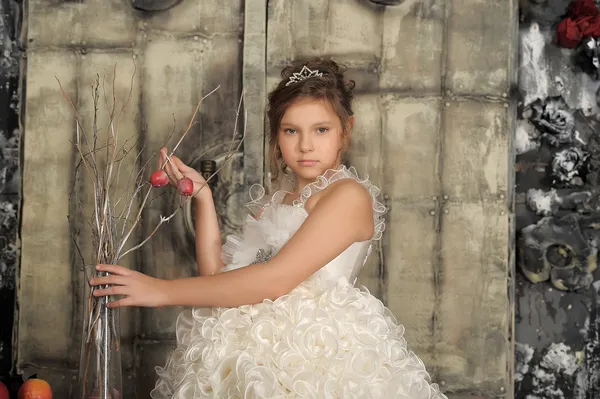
{"x": 501, "y": 389}
{"x": 447, "y": 104}
{"x": 204, "y": 41}
{"x": 570, "y": 307}
{"x": 196, "y": 38}
{"x": 385, "y": 196}
{"x": 505, "y": 105}
{"x": 434, "y": 198}
{"x": 502, "y": 196}
{"x": 446, "y": 211}
{"x": 445, "y": 197}
{"x": 432, "y": 213}
{"x": 502, "y": 212}
{"x": 504, "y": 95}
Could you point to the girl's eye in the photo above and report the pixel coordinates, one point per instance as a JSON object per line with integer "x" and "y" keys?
{"x": 290, "y": 131}
{"x": 322, "y": 130}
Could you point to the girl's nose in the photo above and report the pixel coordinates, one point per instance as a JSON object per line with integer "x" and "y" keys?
{"x": 306, "y": 144}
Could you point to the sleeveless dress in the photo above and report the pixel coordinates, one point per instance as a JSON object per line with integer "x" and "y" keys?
{"x": 324, "y": 339}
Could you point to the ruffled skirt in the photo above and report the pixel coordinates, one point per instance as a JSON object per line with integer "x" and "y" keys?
{"x": 318, "y": 341}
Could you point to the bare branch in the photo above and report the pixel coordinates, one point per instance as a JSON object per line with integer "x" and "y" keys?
{"x": 231, "y": 153}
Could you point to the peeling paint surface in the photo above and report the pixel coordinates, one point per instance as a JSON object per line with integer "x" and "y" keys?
{"x": 10, "y": 14}
{"x": 557, "y": 324}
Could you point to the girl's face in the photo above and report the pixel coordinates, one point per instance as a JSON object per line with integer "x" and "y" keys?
{"x": 311, "y": 138}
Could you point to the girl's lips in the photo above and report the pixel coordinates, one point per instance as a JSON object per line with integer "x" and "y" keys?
{"x": 308, "y": 162}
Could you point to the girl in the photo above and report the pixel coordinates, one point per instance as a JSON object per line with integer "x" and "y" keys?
{"x": 275, "y": 312}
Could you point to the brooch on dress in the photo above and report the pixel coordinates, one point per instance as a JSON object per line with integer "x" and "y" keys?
{"x": 263, "y": 256}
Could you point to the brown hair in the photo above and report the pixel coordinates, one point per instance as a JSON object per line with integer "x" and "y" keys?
{"x": 331, "y": 86}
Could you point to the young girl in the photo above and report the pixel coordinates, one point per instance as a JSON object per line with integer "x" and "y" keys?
{"x": 275, "y": 312}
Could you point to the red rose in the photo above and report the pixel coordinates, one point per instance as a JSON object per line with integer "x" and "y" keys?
{"x": 568, "y": 33}
{"x": 593, "y": 27}
{"x": 582, "y": 8}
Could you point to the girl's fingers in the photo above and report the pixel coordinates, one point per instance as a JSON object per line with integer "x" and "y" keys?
{"x": 180, "y": 165}
{"x": 109, "y": 280}
{"x": 164, "y": 164}
{"x": 114, "y": 269}
{"x": 161, "y": 158}
{"x": 120, "y": 303}
{"x": 174, "y": 168}
{"x": 109, "y": 291}
{"x": 171, "y": 173}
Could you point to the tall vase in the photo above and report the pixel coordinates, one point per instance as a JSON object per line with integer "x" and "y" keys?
{"x": 100, "y": 374}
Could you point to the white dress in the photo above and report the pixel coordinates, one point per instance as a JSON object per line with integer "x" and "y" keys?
{"x": 325, "y": 339}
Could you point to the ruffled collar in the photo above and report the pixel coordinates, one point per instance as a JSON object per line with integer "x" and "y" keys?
{"x": 259, "y": 202}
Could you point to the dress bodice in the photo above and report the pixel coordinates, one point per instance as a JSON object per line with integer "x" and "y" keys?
{"x": 274, "y": 223}
{"x": 326, "y": 338}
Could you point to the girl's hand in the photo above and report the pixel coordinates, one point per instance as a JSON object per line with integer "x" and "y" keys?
{"x": 177, "y": 170}
{"x": 137, "y": 288}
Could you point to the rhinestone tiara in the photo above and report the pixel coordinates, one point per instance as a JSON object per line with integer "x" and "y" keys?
{"x": 305, "y": 73}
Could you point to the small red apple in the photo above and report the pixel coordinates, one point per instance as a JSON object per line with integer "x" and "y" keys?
{"x": 159, "y": 178}
{"x": 185, "y": 186}
{"x": 35, "y": 388}
{"x": 4, "y": 391}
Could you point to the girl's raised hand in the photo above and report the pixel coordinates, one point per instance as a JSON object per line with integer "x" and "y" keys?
{"x": 177, "y": 171}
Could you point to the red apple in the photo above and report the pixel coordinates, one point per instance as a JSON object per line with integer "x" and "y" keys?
{"x": 185, "y": 186}
{"x": 35, "y": 388}
{"x": 4, "y": 391}
{"x": 159, "y": 178}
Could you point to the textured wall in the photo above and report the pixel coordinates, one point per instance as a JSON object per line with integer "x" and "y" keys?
{"x": 10, "y": 26}
{"x": 434, "y": 130}
{"x": 180, "y": 54}
{"x": 557, "y": 332}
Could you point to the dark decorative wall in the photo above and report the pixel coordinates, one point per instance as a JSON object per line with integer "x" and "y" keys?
{"x": 557, "y": 320}
{"x": 10, "y": 17}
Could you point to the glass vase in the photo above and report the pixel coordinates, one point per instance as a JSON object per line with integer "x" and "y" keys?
{"x": 100, "y": 375}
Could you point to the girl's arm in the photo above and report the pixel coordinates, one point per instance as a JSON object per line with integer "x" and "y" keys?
{"x": 342, "y": 216}
{"x": 208, "y": 235}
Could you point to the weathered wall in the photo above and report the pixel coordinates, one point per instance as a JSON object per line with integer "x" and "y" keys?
{"x": 434, "y": 130}
{"x": 180, "y": 55}
{"x": 557, "y": 332}
{"x": 10, "y": 28}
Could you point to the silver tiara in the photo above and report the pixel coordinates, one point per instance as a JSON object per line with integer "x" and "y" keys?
{"x": 305, "y": 73}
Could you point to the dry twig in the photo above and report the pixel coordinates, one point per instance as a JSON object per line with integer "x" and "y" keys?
{"x": 114, "y": 217}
